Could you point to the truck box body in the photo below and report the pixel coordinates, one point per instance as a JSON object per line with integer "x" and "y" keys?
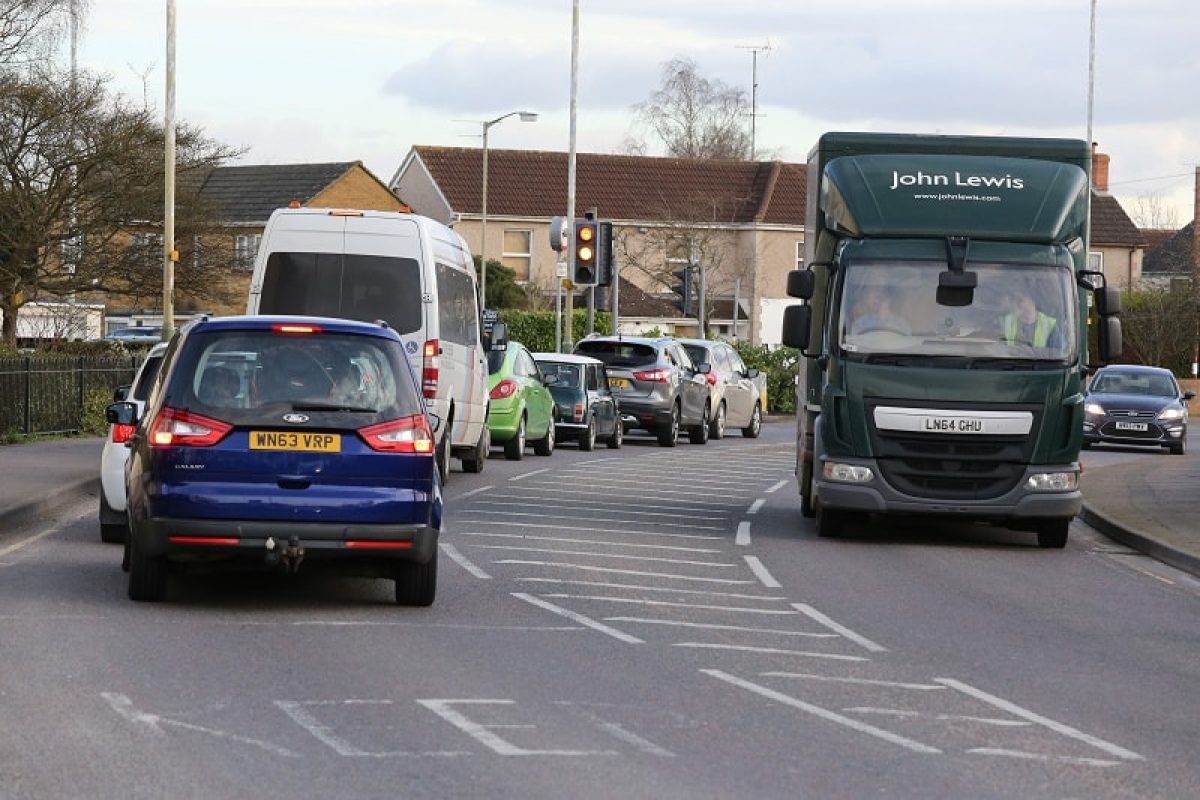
{"x": 928, "y": 387}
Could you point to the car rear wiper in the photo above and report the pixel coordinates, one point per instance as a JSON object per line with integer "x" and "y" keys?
{"x": 334, "y": 407}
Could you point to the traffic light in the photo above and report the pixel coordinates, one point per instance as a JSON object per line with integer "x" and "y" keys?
{"x": 585, "y": 272}
{"x": 604, "y": 254}
{"x": 684, "y": 290}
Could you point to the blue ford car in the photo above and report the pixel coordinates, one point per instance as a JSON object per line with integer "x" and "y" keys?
{"x": 283, "y": 442}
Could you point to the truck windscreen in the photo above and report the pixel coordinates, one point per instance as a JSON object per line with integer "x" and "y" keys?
{"x": 1017, "y": 312}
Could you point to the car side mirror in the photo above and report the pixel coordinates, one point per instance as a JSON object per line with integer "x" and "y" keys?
{"x": 1188, "y": 395}
{"x": 121, "y": 392}
{"x": 121, "y": 413}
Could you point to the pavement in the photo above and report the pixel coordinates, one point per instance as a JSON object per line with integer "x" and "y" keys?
{"x": 1151, "y": 504}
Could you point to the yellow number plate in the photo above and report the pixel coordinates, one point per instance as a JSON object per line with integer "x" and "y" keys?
{"x": 619, "y": 383}
{"x": 296, "y": 440}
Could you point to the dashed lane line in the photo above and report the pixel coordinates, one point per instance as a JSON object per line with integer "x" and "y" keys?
{"x": 743, "y": 534}
{"x": 756, "y": 505}
{"x": 760, "y": 572}
{"x": 776, "y": 487}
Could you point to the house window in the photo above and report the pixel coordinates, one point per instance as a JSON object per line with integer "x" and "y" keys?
{"x": 518, "y": 252}
{"x": 245, "y": 247}
{"x": 800, "y": 252}
{"x": 1096, "y": 262}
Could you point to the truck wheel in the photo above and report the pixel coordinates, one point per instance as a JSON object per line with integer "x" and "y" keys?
{"x": 830, "y": 521}
{"x": 806, "y": 503}
{"x": 1053, "y": 533}
{"x": 699, "y": 434}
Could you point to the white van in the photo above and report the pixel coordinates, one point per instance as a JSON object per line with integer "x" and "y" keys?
{"x": 410, "y": 271}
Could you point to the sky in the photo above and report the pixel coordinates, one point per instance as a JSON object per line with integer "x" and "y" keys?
{"x": 295, "y": 81}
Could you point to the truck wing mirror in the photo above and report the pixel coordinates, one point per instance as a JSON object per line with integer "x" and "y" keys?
{"x": 1110, "y": 339}
{"x": 1108, "y": 301}
{"x": 801, "y": 284}
{"x": 796, "y": 322}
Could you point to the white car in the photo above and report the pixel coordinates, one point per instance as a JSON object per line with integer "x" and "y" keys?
{"x": 113, "y": 523}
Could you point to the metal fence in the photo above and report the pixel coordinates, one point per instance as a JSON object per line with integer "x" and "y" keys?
{"x": 53, "y": 394}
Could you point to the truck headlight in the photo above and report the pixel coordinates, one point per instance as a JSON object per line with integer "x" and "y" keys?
{"x": 848, "y": 473}
{"x": 1094, "y": 408}
{"x": 1053, "y": 481}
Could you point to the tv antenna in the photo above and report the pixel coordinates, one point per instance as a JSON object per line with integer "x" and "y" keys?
{"x": 754, "y": 49}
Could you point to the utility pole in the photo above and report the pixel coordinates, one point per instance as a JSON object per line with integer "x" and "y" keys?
{"x": 568, "y": 337}
{"x": 754, "y": 51}
{"x": 169, "y": 254}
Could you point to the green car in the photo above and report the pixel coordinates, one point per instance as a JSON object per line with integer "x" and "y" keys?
{"x": 520, "y": 408}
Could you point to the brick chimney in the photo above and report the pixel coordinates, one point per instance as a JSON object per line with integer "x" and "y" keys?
{"x": 1099, "y": 169}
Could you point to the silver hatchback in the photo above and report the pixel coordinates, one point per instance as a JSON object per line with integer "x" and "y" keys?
{"x": 657, "y": 386}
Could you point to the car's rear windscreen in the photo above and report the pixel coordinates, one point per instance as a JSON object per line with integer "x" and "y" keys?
{"x": 346, "y": 285}
{"x": 619, "y": 354}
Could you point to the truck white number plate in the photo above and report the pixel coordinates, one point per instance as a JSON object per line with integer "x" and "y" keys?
{"x": 1131, "y": 426}
{"x": 952, "y": 425}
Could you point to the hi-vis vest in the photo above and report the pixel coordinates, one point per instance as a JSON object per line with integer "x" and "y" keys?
{"x": 1042, "y": 328}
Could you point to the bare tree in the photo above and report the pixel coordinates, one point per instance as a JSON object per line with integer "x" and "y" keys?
{"x": 29, "y": 27}
{"x": 1150, "y": 210}
{"x": 1159, "y": 327}
{"x": 81, "y": 194}
{"x": 696, "y": 117}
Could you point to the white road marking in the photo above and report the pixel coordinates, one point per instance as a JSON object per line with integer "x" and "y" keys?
{"x": 124, "y": 706}
{"x": 545, "y": 515}
{"x": 462, "y": 561}
{"x": 760, "y": 572}
{"x": 564, "y": 493}
{"x": 671, "y": 589}
{"x": 922, "y": 687}
{"x": 615, "y": 508}
{"x": 372, "y": 623}
{"x": 743, "y": 534}
{"x": 615, "y": 571}
{"x": 525, "y": 475}
{"x": 599, "y": 530}
{"x": 473, "y": 492}
{"x": 670, "y": 604}
{"x": 842, "y": 629}
{"x": 776, "y": 487}
{"x": 296, "y": 711}
{"x": 483, "y": 733}
{"x": 581, "y": 619}
{"x": 906, "y": 713}
{"x": 601, "y": 542}
{"x": 600, "y": 555}
{"x": 825, "y": 714}
{"x": 614, "y": 729}
{"x": 37, "y": 537}
{"x": 666, "y": 475}
{"x": 716, "y": 627}
{"x": 1057, "y": 727}
{"x": 1089, "y": 762}
{"x": 756, "y": 505}
{"x": 741, "y": 648}
{"x": 643, "y": 490}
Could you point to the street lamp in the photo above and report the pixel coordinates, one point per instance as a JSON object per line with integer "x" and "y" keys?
{"x": 526, "y": 116}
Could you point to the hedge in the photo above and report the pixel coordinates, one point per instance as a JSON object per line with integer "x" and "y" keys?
{"x": 535, "y": 329}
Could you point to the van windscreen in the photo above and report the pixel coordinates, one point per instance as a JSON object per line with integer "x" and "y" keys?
{"x": 350, "y": 286}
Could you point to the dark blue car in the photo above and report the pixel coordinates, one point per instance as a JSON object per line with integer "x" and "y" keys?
{"x": 282, "y": 442}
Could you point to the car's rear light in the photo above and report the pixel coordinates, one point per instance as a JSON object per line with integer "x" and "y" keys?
{"x": 579, "y": 412}
{"x": 404, "y": 435}
{"x": 660, "y": 375}
{"x": 429, "y": 369}
{"x": 121, "y": 433}
{"x": 373, "y": 544}
{"x": 178, "y": 428}
{"x": 503, "y": 389}
{"x": 711, "y": 378}
{"x": 295, "y": 329}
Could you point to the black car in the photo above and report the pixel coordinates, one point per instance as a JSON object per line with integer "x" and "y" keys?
{"x": 1136, "y": 405}
{"x": 656, "y": 383}
{"x": 587, "y": 410}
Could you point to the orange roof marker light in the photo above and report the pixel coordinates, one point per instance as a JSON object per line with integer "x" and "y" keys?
{"x": 294, "y": 204}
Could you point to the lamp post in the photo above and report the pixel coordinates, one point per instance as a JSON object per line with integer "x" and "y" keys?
{"x": 526, "y": 116}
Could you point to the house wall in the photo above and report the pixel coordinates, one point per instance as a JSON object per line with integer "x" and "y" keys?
{"x": 1122, "y": 266}
{"x": 357, "y": 189}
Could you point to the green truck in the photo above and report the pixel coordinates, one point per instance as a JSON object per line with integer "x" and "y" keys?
{"x": 945, "y": 325}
